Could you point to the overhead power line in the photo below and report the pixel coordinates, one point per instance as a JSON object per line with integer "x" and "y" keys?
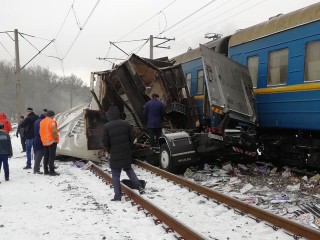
{"x": 149, "y": 19}
{"x": 65, "y": 19}
{"x": 20, "y": 33}
{"x": 82, "y": 27}
{"x": 6, "y": 50}
{"x": 188, "y": 16}
{"x": 76, "y": 18}
{"x": 192, "y": 21}
{"x": 215, "y": 23}
{"x": 140, "y": 25}
{"x": 229, "y": 17}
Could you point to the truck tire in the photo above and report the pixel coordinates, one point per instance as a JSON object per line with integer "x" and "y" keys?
{"x": 165, "y": 158}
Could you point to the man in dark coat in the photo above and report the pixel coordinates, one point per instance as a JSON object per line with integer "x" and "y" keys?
{"x": 5, "y": 151}
{"x": 118, "y": 139}
{"x": 37, "y": 144}
{"x": 154, "y": 114}
{"x": 27, "y": 124}
{"x": 20, "y": 131}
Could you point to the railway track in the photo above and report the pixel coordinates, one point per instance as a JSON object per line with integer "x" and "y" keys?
{"x": 213, "y": 201}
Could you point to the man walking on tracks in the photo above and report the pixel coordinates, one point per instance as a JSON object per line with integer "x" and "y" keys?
{"x": 49, "y": 138}
{"x": 118, "y": 139}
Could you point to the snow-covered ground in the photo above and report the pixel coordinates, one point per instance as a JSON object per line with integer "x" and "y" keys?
{"x": 76, "y": 205}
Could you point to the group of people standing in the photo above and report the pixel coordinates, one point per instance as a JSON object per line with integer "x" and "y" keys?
{"x": 41, "y": 134}
{"x": 37, "y": 133}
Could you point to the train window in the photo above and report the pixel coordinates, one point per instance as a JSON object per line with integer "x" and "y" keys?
{"x": 188, "y": 79}
{"x": 278, "y": 67}
{"x": 312, "y": 62}
{"x": 200, "y": 82}
{"x": 253, "y": 69}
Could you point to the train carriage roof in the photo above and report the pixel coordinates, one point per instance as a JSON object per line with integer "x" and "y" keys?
{"x": 220, "y": 45}
{"x": 278, "y": 24}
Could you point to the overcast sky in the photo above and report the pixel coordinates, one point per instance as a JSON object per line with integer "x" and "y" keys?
{"x": 103, "y": 21}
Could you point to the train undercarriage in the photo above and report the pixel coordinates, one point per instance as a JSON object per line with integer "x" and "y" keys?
{"x": 290, "y": 147}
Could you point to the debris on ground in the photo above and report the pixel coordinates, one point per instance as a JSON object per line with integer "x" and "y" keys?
{"x": 278, "y": 190}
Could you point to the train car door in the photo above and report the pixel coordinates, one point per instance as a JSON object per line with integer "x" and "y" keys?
{"x": 94, "y": 121}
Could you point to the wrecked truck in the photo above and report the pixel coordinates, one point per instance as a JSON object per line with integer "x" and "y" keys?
{"x": 184, "y": 140}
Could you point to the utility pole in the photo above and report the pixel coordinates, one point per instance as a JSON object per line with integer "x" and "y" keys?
{"x": 151, "y": 46}
{"x": 19, "y": 100}
{"x": 70, "y": 95}
{"x": 158, "y": 45}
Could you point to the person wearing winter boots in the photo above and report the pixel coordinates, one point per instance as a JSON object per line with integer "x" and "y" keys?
{"x": 37, "y": 144}
{"x": 50, "y": 138}
{"x": 117, "y": 140}
{"x": 27, "y": 124}
{"x": 20, "y": 131}
{"x": 5, "y": 151}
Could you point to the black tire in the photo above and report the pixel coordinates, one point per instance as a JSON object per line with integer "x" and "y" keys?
{"x": 165, "y": 158}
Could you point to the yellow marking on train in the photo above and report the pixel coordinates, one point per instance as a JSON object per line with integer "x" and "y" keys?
{"x": 199, "y": 97}
{"x": 290, "y": 88}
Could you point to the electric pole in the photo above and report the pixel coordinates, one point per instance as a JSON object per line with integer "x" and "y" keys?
{"x": 19, "y": 100}
{"x": 158, "y": 45}
{"x": 151, "y": 46}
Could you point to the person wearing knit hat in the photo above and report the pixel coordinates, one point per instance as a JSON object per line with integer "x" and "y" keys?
{"x": 50, "y": 138}
{"x": 27, "y": 124}
{"x": 29, "y": 110}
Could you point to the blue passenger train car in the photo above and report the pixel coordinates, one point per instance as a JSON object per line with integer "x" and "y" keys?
{"x": 192, "y": 67}
{"x": 283, "y": 57}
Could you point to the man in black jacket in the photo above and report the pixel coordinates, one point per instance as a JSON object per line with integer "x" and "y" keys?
{"x": 27, "y": 124}
{"x": 118, "y": 139}
{"x": 5, "y": 151}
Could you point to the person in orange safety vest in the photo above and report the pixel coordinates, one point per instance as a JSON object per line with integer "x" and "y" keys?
{"x": 50, "y": 138}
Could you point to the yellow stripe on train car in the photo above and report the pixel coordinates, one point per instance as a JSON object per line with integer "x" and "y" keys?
{"x": 290, "y": 88}
{"x": 199, "y": 97}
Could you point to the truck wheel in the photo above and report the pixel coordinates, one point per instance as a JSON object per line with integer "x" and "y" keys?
{"x": 165, "y": 159}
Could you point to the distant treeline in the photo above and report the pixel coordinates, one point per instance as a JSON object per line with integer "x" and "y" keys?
{"x": 40, "y": 89}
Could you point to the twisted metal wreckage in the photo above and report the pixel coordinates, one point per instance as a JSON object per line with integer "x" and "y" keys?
{"x": 184, "y": 140}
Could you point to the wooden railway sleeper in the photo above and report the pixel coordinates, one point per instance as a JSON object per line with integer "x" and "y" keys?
{"x": 258, "y": 220}
{"x": 168, "y": 229}
{"x": 148, "y": 214}
{"x": 227, "y": 206}
{"x": 178, "y": 237}
{"x": 239, "y": 212}
{"x": 140, "y": 208}
{"x": 216, "y": 202}
{"x": 157, "y": 221}
{"x": 295, "y": 236}
{"x": 275, "y": 228}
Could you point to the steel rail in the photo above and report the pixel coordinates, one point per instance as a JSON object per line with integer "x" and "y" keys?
{"x": 297, "y": 229}
{"x": 184, "y": 231}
